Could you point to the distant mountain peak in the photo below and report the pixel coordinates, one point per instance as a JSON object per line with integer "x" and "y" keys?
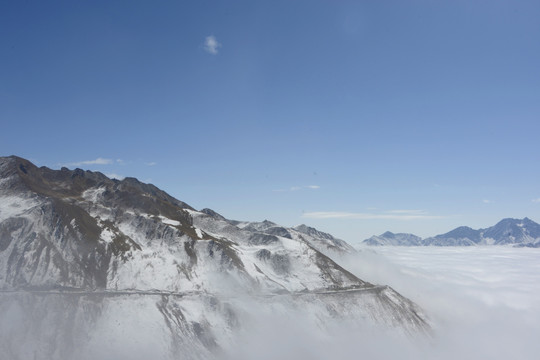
{"x": 394, "y": 239}
{"x": 520, "y": 232}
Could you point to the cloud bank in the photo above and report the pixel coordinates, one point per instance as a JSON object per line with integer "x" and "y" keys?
{"x": 484, "y": 303}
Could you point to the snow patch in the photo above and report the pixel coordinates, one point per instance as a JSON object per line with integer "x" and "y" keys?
{"x": 14, "y": 206}
{"x": 93, "y": 194}
{"x": 107, "y": 235}
{"x": 168, "y": 221}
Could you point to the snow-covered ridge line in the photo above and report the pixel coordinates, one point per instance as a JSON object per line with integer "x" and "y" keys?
{"x": 517, "y": 232}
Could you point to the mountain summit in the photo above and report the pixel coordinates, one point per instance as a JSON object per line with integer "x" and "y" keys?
{"x": 82, "y": 255}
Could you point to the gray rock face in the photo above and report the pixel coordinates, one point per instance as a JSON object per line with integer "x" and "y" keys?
{"x": 86, "y": 256}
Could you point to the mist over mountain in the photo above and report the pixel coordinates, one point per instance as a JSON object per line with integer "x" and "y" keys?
{"x": 94, "y": 267}
{"x": 517, "y": 232}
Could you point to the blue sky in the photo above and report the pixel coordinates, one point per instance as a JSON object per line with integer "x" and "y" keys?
{"x": 355, "y": 117}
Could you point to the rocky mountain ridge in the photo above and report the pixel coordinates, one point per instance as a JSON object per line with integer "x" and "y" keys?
{"x": 77, "y": 249}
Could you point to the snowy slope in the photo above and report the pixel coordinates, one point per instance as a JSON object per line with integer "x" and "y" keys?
{"x": 389, "y": 238}
{"x": 83, "y": 254}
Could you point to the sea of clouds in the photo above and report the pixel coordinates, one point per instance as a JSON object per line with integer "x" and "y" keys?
{"x": 482, "y": 302}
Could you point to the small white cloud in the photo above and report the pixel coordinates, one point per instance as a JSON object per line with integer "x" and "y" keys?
{"x": 98, "y": 161}
{"x": 115, "y": 176}
{"x": 367, "y": 216}
{"x": 486, "y": 201}
{"x": 151, "y": 163}
{"x": 295, "y": 188}
{"x": 211, "y": 45}
{"x": 313, "y": 187}
{"x": 536, "y": 200}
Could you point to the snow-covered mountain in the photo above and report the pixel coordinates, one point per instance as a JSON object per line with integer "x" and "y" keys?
{"x": 507, "y": 231}
{"x": 518, "y": 232}
{"x": 94, "y": 266}
{"x": 461, "y": 236}
{"x": 389, "y": 238}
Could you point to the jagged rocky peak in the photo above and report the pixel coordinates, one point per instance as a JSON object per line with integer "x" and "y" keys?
{"x": 213, "y": 214}
{"x": 312, "y": 231}
{"x": 113, "y": 224}
{"x": 258, "y": 226}
{"x": 217, "y": 216}
{"x": 324, "y": 242}
{"x": 73, "y": 183}
{"x": 74, "y": 228}
{"x": 23, "y": 174}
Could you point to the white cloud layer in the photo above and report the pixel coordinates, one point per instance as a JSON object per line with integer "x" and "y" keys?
{"x": 407, "y": 212}
{"x": 483, "y": 303}
{"x": 536, "y": 200}
{"x": 211, "y": 45}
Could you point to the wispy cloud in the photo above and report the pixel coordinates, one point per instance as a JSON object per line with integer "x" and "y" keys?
{"x": 151, "y": 163}
{"x": 486, "y": 201}
{"x": 536, "y": 200}
{"x": 211, "y": 45}
{"x": 407, "y": 212}
{"x": 387, "y": 215}
{"x": 98, "y": 161}
{"x": 297, "y": 188}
